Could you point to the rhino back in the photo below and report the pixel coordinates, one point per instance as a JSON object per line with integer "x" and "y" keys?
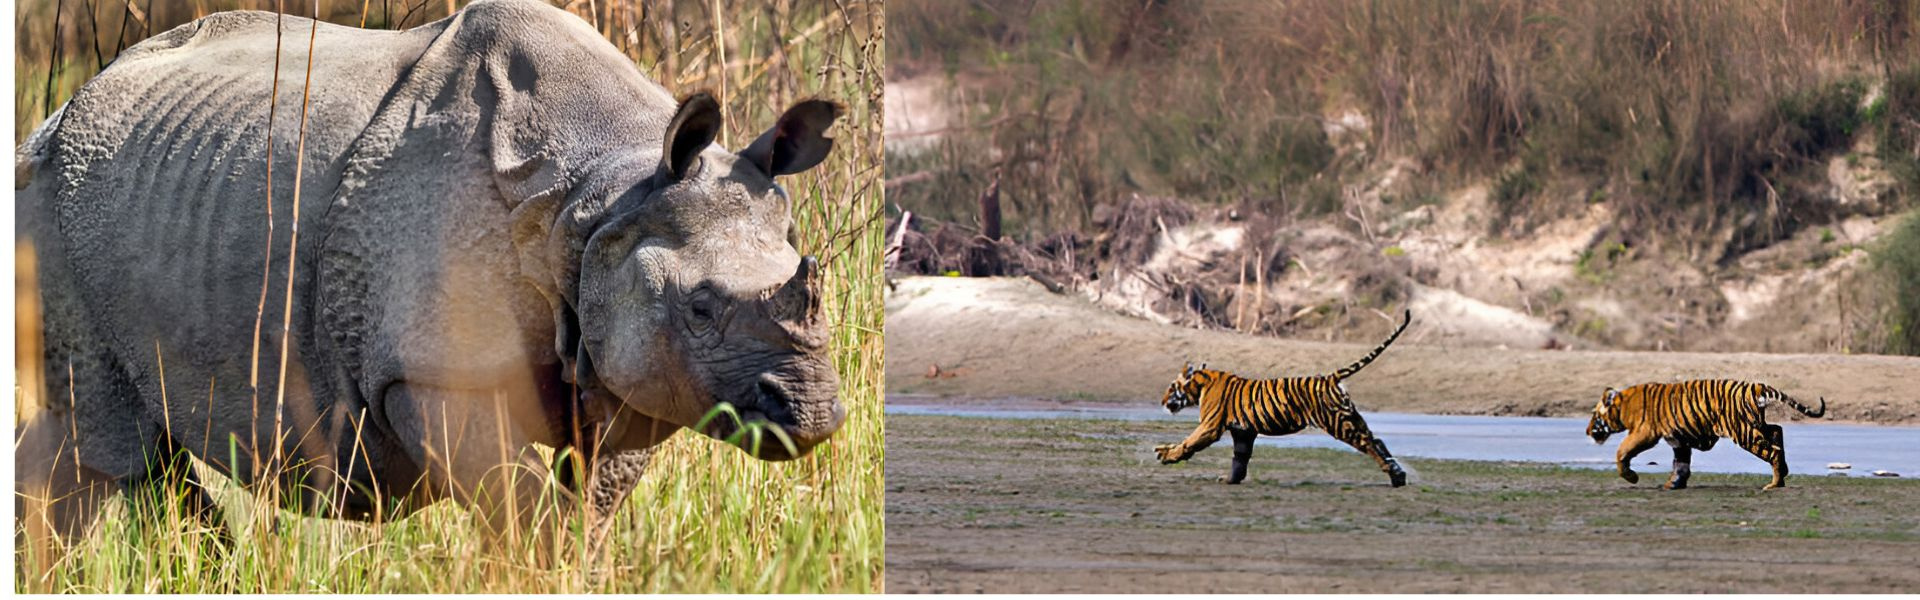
{"x": 163, "y": 158}
{"x": 152, "y": 191}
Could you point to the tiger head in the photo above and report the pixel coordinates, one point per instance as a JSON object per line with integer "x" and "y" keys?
{"x": 1606, "y": 417}
{"x": 1185, "y": 391}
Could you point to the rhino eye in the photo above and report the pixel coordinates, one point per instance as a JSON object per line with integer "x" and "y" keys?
{"x": 702, "y": 309}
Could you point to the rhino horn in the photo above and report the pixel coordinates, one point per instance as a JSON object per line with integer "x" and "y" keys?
{"x": 797, "y": 301}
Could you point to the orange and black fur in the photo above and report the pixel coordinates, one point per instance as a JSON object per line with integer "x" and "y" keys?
{"x": 1250, "y": 408}
{"x": 1693, "y": 415}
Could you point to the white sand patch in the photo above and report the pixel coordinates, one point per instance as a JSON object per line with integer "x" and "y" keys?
{"x": 918, "y": 112}
{"x": 1466, "y": 260}
{"x": 1748, "y": 298}
{"x": 1451, "y": 319}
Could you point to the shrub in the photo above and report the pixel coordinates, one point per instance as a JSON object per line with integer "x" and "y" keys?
{"x": 1510, "y": 193}
{"x": 1897, "y": 115}
{"x": 1897, "y": 260}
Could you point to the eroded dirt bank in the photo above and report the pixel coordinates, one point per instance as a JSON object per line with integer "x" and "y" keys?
{"x": 1000, "y": 505}
{"x": 998, "y": 338}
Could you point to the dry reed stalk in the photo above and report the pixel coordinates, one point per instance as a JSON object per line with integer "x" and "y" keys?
{"x": 166, "y": 413}
{"x": 1259, "y": 289}
{"x": 720, "y": 51}
{"x": 93, "y": 23}
{"x": 293, "y": 243}
{"x": 1240, "y": 294}
{"x": 206, "y": 433}
{"x": 29, "y": 358}
{"x": 266, "y": 264}
{"x": 53, "y": 62}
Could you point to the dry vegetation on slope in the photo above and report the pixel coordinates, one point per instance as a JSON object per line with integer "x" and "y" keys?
{"x": 1670, "y": 144}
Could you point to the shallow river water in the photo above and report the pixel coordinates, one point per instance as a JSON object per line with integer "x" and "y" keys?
{"x": 1811, "y": 447}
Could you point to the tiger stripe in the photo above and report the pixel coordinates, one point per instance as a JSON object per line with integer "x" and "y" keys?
{"x": 1694, "y": 415}
{"x": 1248, "y": 408}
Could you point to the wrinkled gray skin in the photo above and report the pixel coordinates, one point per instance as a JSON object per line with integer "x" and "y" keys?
{"x": 507, "y": 235}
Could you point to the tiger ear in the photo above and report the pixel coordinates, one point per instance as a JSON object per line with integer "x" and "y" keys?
{"x": 1611, "y": 394}
{"x": 1187, "y": 371}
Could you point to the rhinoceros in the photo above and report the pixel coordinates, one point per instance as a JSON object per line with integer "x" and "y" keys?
{"x": 466, "y": 238}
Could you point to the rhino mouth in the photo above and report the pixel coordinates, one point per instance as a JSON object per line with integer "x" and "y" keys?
{"x": 768, "y": 406}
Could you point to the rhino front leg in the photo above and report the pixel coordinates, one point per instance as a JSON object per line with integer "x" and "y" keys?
{"x": 471, "y": 448}
{"x": 615, "y": 475}
{"x": 619, "y": 459}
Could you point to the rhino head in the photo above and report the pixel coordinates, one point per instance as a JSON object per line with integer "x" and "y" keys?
{"x": 691, "y": 294}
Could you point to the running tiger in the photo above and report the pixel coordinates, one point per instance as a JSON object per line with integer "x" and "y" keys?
{"x": 1693, "y": 415}
{"x": 1250, "y": 408}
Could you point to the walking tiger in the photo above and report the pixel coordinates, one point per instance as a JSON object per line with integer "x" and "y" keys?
{"x": 1250, "y": 408}
{"x": 1693, "y": 415}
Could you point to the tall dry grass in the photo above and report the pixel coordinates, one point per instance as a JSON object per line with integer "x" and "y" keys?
{"x": 707, "y": 517}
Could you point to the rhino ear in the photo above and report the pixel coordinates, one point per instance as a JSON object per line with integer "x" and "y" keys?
{"x": 797, "y": 141}
{"x": 692, "y": 129}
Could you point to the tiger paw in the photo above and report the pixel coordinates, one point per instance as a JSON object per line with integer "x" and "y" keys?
{"x": 1674, "y": 486}
{"x": 1167, "y": 453}
{"x": 1399, "y": 478}
{"x": 1229, "y": 480}
{"x": 1630, "y": 476}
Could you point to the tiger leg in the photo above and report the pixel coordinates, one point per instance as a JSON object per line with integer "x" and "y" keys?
{"x": 1396, "y": 475}
{"x": 1682, "y": 465}
{"x": 1242, "y": 452}
{"x": 1352, "y": 429}
{"x": 1199, "y": 440}
{"x": 1761, "y": 442}
{"x": 1632, "y": 446}
{"x": 1777, "y": 437}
